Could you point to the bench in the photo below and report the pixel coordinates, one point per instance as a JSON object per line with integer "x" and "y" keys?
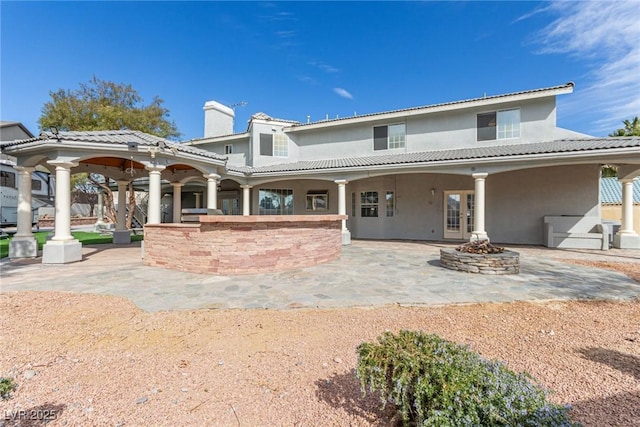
{"x": 575, "y": 232}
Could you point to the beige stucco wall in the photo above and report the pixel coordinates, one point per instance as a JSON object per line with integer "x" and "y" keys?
{"x": 516, "y": 202}
{"x": 614, "y": 212}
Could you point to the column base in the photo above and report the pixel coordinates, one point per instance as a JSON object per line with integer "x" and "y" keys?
{"x": 346, "y": 237}
{"x": 121, "y": 237}
{"x": 626, "y": 241}
{"x": 61, "y": 252}
{"x": 23, "y": 247}
{"x": 478, "y": 235}
{"x": 101, "y": 226}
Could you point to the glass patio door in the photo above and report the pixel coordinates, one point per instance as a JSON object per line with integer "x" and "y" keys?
{"x": 459, "y": 207}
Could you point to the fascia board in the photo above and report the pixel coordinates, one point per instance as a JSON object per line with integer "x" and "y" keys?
{"x": 106, "y": 149}
{"x": 217, "y": 139}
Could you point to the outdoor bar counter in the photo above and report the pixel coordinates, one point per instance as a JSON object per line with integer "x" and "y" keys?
{"x": 233, "y": 245}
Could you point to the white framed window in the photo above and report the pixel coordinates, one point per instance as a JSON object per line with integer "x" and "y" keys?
{"x": 228, "y": 149}
{"x": 276, "y": 145}
{"x": 369, "y": 204}
{"x": 280, "y": 145}
{"x": 389, "y": 137}
{"x": 317, "y": 200}
{"x": 504, "y": 124}
{"x": 275, "y": 201}
{"x": 353, "y": 205}
{"x": 390, "y": 203}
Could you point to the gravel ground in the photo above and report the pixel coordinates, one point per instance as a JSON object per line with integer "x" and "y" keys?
{"x": 99, "y": 360}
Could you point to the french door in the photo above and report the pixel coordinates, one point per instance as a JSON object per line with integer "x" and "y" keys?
{"x": 459, "y": 210}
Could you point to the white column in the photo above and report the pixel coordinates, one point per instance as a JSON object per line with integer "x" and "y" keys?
{"x": 25, "y": 216}
{"x": 177, "y": 201}
{"x": 479, "y": 233}
{"x": 63, "y": 202}
{"x": 627, "y": 207}
{"x": 100, "y": 207}
{"x": 212, "y": 191}
{"x": 155, "y": 190}
{"x": 24, "y": 244}
{"x": 121, "y": 216}
{"x": 198, "y": 202}
{"x": 627, "y": 237}
{"x": 62, "y": 248}
{"x": 246, "y": 199}
{"x": 342, "y": 209}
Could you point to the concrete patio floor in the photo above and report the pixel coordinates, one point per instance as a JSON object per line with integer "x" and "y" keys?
{"x": 368, "y": 274}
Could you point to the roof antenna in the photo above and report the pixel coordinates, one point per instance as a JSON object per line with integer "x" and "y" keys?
{"x": 238, "y": 104}
{"x": 233, "y": 107}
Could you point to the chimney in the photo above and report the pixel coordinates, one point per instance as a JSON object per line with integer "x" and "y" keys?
{"x": 218, "y": 119}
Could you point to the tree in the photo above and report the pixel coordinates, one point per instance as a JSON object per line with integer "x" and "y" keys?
{"x": 631, "y": 128}
{"x": 104, "y": 105}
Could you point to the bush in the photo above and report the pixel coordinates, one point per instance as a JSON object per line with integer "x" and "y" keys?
{"x": 434, "y": 382}
{"x": 7, "y": 386}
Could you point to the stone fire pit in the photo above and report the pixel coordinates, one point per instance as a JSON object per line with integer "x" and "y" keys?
{"x": 481, "y": 257}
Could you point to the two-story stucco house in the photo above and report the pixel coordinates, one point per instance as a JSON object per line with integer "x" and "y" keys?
{"x": 415, "y": 173}
{"x": 494, "y": 167}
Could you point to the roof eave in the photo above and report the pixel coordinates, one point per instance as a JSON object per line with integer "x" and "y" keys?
{"x": 418, "y": 111}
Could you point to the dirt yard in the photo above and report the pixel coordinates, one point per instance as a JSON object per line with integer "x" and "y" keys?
{"x": 98, "y": 360}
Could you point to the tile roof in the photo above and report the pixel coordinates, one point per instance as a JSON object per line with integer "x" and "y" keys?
{"x": 611, "y": 191}
{"x": 550, "y": 147}
{"x": 120, "y": 137}
{"x": 568, "y": 85}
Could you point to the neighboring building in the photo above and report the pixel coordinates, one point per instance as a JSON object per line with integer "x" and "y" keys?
{"x": 611, "y": 199}
{"x": 41, "y": 186}
{"x": 496, "y": 166}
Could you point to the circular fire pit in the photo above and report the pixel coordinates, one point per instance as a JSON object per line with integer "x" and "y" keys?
{"x": 492, "y": 261}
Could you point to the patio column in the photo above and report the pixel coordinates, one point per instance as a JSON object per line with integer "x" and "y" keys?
{"x": 99, "y": 212}
{"x": 24, "y": 244}
{"x": 479, "y": 232}
{"x": 627, "y": 237}
{"x": 121, "y": 235}
{"x": 155, "y": 196}
{"x": 62, "y": 248}
{"x": 177, "y": 202}
{"x": 342, "y": 210}
{"x": 212, "y": 192}
{"x": 246, "y": 199}
{"x": 198, "y": 202}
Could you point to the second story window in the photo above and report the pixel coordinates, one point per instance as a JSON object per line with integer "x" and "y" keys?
{"x": 503, "y": 124}
{"x": 389, "y": 137}
{"x": 276, "y": 145}
{"x": 228, "y": 149}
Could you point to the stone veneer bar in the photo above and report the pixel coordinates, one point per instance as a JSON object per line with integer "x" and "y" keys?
{"x": 234, "y": 245}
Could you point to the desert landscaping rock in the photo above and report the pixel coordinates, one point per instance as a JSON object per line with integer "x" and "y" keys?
{"x": 591, "y": 362}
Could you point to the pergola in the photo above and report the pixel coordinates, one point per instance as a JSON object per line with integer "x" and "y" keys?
{"x": 121, "y": 155}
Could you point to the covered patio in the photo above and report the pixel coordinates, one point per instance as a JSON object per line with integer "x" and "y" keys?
{"x": 120, "y": 155}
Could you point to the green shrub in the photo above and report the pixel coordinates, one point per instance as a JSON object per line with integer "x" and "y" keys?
{"x": 434, "y": 382}
{"x": 7, "y": 386}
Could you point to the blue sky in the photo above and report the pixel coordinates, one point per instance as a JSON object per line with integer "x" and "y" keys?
{"x": 291, "y": 60}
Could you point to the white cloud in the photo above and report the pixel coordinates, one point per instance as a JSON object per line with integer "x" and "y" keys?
{"x": 342, "y": 92}
{"x": 324, "y": 67}
{"x": 607, "y": 35}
